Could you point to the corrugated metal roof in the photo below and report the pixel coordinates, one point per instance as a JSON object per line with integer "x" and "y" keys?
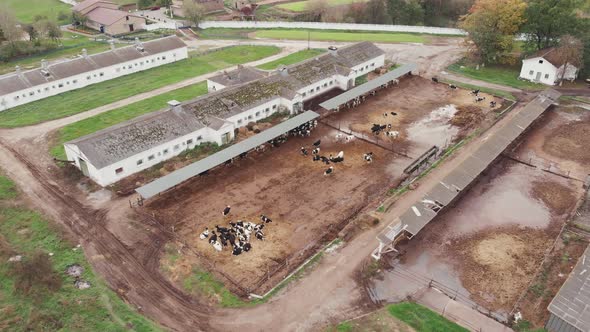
{"x": 179, "y": 176}
{"x": 371, "y": 85}
{"x": 572, "y": 302}
{"x": 461, "y": 177}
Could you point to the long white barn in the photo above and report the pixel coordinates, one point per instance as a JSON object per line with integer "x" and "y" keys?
{"x": 22, "y": 87}
{"x": 237, "y": 98}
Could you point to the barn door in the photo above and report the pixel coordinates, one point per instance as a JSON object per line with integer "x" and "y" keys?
{"x": 83, "y": 167}
{"x": 538, "y": 76}
{"x": 225, "y": 138}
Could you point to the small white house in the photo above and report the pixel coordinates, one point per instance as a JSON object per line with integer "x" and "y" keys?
{"x": 546, "y": 67}
{"x": 236, "y": 98}
{"x": 22, "y": 87}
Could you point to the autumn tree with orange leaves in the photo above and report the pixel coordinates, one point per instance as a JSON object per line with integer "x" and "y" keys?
{"x": 492, "y": 26}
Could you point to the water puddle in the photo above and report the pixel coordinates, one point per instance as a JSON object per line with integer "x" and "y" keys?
{"x": 506, "y": 200}
{"x": 414, "y": 274}
{"x": 434, "y": 129}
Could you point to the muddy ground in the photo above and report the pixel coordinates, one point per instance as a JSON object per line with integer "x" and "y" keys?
{"x": 489, "y": 246}
{"x": 307, "y": 208}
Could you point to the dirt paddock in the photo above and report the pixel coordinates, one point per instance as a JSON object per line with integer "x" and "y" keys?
{"x": 307, "y": 208}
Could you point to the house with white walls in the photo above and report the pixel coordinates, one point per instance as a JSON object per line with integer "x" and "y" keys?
{"x": 22, "y": 87}
{"x": 236, "y": 98}
{"x": 546, "y": 67}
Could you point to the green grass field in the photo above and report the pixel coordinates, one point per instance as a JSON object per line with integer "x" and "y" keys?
{"x": 110, "y": 118}
{"x": 341, "y": 36}
{"x": 26, "y": 10}
{"x": 96, "y": 95}
{"x": 301, "y": 6}
{"x": 292, "y": 58}
{"x": 62, "y": 306}
{"x": 423, "y": 319}
{"x": 494, "y": 74}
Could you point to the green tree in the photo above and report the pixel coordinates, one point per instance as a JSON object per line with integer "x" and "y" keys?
{"x": 492, "y": 26}
{"x": 53, "y": 30}
{"x": 78, "y": 19}
{"x": 405, "y": 12}
{"x": 547, "y": 20}
{"x": 193, "y": 12}
{"x": 142, "y": 4}
{"x": 9, "y": 26}
{"x": 31, "y": 30}
{"x": 376, "y": 12}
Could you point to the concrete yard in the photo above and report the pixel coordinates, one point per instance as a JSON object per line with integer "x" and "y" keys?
{"x": 308, "y": 209}
{"x": 487, "y": 249}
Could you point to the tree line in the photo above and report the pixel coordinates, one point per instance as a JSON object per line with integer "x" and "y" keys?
{"x": 22, "y": 39}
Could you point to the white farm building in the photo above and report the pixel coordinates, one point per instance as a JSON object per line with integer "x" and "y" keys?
{"x": 546, "y": 67}
{"x": 237, "y": 98}
{"x": 22, "y": 87}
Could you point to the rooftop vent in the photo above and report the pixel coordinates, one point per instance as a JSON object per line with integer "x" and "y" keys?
{"x": 333, "y": 50}
{"x": 139, "y": 45}
{"x": 44, "y": 64}
{"x": 45, "y": 73}
{"x": 173, "y": 103}
{"x": 112, "y": 44}
{"x": 84, "y": 53}
{"x": 283, "y": 71}
{"x": 18, "y": 70}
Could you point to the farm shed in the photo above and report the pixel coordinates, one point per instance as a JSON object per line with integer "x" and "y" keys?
{"x": 179, "y": 176}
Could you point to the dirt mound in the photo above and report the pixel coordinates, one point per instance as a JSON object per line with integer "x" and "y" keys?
{"x": 559, "y": 198}
{"x": 500, "y": 251}
{"x": 468, "y": 116}
{"x": 570, "y": 141}
{"x": 497, "y": 265}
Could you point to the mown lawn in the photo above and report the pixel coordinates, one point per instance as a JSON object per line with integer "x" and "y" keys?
{"x": 292, "y": 58}
{"x": 26, "y": 10}
{"x": 110, "y": 118}
{"x": 77, "y": 101}
{"x": 502, "y": 75}
{"x": 51, "y": 302}
{"x": 423, "y": 319}
{"x": 301, "y": 6}
{"x": 343, "y": 36}
{"x": 72, "y": 45}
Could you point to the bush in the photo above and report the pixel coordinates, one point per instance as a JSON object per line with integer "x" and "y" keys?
{"x": 19, "y": 49}
{"x": 35, "y": 275}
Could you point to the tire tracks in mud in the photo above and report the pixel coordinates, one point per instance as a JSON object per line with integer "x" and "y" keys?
{"x": 139, "y": 283}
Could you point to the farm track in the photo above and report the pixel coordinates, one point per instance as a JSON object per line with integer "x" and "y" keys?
{"x": 135, "y": 281}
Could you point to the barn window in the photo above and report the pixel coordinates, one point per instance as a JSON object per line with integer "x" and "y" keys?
{"x": 151, "y": 157}
{"x": 546, "y": 75}
{"x": 165, "y": 151}
{"x": 531, "y": 73}
{"x": 46, "y": 88}
{"x": 164, "y": 58}
{"x": 31, "y": 93}
{"x": 258, "y": 113}
{"x": 60, "y": 85}
{"x": 274, "y": 107}
{"x": 38, "y": 90}
{"x": 101, "y": 74}
{"x": 199, "y": 138}
{"x": 317, "y": 89}
{"x": 75, "y": 81}
{"x": 189, "y": 142}
{"x": 249, "y": 117}
{"x": 240, "y": 121}
{"x": 540, "y": 61}
{"x": 325, "y": 85}
{"x": 16, "y": 98}
{"x": 140, "y": 161}
{"x": 304, "y": 94}
{"x": 68, "y": 82}
{"x": 119, "y": 170}
{"x": 373, "y": 64}
{"x": 129, "y": 67}
{"x": 176, "y": 147}
{"x": 88, "y": 77}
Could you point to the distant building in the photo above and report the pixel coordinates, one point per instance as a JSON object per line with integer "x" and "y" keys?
{"x": 546, "y": 67}
{"x": 237, "y": 98}
{"x": 209, "y": 6}
{"x": 105, "y": 17}
{"x": 22, "y": 87}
